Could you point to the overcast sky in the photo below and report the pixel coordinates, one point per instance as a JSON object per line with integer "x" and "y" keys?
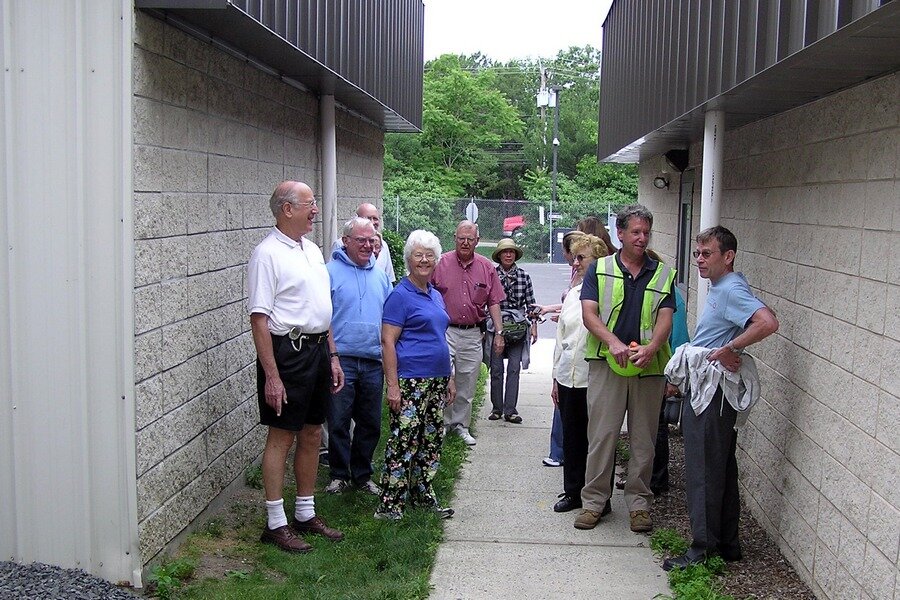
{"x": 506, "y": 29}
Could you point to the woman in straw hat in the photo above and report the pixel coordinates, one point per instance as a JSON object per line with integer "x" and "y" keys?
{"x": 515, "y": 330}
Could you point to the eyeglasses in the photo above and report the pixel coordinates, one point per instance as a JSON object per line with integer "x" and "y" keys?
{"x": 580, "y": 257}
{"x": 306, "y": 204}
{"x": 362, "y": 241}
{"x": 705, "y": 254}
{"x": 470, "y": 240}
{"x": 420, "y": 256}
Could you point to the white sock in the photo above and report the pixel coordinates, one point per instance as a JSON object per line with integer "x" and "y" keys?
{"x": 305, "y": 508}
{"x": 275, "y": 511}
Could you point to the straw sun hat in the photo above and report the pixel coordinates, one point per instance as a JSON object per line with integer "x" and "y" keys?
{"x": 506, "y": 244}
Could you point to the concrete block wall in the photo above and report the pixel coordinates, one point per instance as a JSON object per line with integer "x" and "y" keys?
{"x": 814, "y": 200}
{"x": 360, "y": 165}
{"x": 212, "y": 137}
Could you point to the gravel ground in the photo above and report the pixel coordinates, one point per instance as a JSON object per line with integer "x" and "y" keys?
{"x": 763, "y": 574}
{"x": 46, "y": 582}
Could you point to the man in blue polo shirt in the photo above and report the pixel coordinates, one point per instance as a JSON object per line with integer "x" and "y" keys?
{"x": 732, "y": 319}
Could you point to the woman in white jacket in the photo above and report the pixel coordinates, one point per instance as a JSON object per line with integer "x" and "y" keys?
{"x": 570, "y": 374}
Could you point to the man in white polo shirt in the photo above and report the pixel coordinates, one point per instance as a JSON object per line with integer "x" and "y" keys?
{"x": 297, "y": 367}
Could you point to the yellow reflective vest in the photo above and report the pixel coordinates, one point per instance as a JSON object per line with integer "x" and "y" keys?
{"x": 611, "y": 295}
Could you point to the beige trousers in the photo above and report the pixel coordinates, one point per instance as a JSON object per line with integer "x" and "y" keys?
{"x": 609, "y": 397}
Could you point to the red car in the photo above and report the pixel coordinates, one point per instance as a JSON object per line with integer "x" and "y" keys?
{"x": 512, "y": 226}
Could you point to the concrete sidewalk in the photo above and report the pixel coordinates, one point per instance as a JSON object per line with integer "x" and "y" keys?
{"x": 505, "y": 541}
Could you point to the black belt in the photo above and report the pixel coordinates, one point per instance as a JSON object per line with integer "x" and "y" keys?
{"x": 311, "y": 338}
{"x": 479, "y": 325}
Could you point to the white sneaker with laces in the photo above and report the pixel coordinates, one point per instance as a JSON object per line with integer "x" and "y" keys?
{"x": 466, "y": 437}
{"x": 549, "y": 462}
{"x": 337, "y": 486}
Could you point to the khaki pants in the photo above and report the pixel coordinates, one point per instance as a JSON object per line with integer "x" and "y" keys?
{"x": 609, "y": 396}
{"x": 466, "y": 354}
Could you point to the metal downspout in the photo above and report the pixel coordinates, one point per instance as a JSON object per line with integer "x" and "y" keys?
{"x": 328, "y": 194}
{"x": 711, "y": 184}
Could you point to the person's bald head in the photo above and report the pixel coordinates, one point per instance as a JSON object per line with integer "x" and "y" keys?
{"x": 289, "y": 192}
{"x": 294, "y": 207}
{"x": 370, "y": 212}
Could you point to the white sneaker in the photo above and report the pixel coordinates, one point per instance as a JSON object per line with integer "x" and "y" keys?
{"x": 370, "y": 487}
{"x": 337, "y": 486}
{"x": 549, "y": 462}
{"x": 466, "y": 437}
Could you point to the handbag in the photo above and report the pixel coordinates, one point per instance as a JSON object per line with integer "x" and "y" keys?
{"x": 515, "y": 325}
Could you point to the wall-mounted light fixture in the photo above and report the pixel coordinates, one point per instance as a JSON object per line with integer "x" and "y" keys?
{"x": 661, "y": 182}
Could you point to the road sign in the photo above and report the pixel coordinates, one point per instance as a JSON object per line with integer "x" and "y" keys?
{"x": 472, "y": 212}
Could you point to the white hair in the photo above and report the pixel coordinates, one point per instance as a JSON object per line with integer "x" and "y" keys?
{"x": 356, "y": 222}
{"x": 424, "y": 239}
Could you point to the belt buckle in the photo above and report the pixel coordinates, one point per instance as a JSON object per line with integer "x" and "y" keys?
{"x": 296, "y": 337}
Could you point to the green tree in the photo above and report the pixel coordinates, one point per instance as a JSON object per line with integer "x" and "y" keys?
{"x": 464, "y": 119}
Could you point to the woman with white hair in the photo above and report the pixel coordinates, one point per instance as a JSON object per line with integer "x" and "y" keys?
{"x": 417, "y": 370}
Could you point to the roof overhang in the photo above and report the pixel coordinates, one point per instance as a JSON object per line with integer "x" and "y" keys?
{"x": 223, "y": 21}
{"x": 864, "y": 49}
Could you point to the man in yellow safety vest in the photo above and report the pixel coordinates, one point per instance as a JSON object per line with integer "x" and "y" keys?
{"x": 627, "y": 306}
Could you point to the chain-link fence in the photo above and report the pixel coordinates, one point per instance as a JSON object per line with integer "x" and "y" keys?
{"x": 522, "y": 220}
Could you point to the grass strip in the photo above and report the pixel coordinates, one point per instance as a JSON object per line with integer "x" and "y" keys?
{"x": 376, "y": 560}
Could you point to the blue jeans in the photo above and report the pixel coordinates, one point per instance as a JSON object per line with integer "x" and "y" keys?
{"x": 556, "y": 437}
{"x": 350, "y": 456}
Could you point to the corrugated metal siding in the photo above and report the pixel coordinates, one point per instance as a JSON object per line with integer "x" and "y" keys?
{"x": 664, "y": 58}
{"x": 372, "y": 50}
{"x": 373, "y": 43}
{"x": 66, "y": 416}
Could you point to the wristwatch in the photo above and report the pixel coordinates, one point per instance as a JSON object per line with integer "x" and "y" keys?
{"x": 730, "y": 346}
{"x": 334, "y": 355}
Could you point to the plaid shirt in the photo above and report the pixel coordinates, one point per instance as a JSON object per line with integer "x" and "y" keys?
{"x": 517, "y": 285}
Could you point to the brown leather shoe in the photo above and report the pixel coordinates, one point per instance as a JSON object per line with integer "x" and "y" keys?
{"x": 317, "y": 526}
{"x": 641, "y": 521}
{"x": 285, "y": 538}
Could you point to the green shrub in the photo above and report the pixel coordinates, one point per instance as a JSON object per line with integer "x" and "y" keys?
{"x": 395, "y": 243}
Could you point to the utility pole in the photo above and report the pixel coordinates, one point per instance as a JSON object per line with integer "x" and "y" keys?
{"x": 543, "y": 99}
{"x": 554, "y": 102}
